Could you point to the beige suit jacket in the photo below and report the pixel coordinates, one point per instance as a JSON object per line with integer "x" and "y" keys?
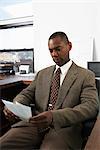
{"x": 77, "y": 100}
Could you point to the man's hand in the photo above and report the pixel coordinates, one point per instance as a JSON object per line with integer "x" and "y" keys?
{"x": 43, "y": 120}
{"x": 9, "y": 115}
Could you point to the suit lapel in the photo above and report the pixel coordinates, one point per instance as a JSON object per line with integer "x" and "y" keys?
{"x": 67, "y": 83}
{"x": 47, "y": 85}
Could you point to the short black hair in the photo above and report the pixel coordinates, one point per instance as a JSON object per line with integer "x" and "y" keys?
{"x": 59, "y": 34}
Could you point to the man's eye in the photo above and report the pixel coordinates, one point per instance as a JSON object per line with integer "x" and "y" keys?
{"x": 57, "y": 49}
{"x": 51, "y": 50}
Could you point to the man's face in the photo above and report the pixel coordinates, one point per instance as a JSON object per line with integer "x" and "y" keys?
{"x": 59, "y": 50}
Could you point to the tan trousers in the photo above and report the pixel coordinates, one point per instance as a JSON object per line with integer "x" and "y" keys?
{"x": 28, "y": 138}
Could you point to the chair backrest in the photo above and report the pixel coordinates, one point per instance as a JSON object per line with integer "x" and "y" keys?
{"x": 89, "y": 124}
{"x": 98, "y": 86}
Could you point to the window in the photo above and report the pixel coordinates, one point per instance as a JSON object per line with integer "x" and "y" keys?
{"x": 16, "y": 34}
{"x": 16, "y": 44}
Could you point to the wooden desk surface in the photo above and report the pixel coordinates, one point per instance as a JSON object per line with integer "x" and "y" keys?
{"x": 12, "y": 79}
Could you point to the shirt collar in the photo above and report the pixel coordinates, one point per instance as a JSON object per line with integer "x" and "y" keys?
{"x": 65, "y": 67}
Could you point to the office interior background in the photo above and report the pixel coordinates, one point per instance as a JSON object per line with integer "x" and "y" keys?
{"x": 25, "y": 26}
{"x": 79, "y": 19}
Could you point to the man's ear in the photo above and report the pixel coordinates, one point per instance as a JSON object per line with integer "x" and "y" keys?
{"x": 70, "y": 45}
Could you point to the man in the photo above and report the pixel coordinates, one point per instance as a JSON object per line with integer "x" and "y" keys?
{"x": 59, "y": 112}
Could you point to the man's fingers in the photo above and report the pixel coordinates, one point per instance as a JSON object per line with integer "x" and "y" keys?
{"x": 39, "y": 124}
{"x": 42, "y": 120}
{"x": 38, "y": 117}
{"x": 9, "y": 114}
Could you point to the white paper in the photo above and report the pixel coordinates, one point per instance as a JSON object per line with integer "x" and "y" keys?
{"x": 20, "y": 110}
{"x": 24, "y": 67}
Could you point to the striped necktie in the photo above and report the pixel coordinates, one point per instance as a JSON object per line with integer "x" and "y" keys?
{"x": 54, "y": 89}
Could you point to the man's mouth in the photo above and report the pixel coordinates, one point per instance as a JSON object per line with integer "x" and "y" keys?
{"x": 55, "y": 59}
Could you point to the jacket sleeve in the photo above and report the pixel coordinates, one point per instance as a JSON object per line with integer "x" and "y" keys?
{"x": 27, "y": 95}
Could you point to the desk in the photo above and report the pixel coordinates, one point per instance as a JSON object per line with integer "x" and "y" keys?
{"x": 11, "y": 85}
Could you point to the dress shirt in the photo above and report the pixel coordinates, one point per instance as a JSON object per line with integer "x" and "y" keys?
{"x": 64, "y": 70}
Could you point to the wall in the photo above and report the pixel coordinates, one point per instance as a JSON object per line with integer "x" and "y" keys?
{"x": 77, "y": 18}
{"x": 80, "y": 19}
{"x": 97, "y": 33}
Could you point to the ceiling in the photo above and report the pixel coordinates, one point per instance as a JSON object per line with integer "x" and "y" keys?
{"x": 12, "y": 9}
{"x": 4, "y": 3}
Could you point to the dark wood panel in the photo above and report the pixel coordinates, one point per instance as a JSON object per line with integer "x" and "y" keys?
{"x": 9, "y": 92}
{"x": 9, "y": 88}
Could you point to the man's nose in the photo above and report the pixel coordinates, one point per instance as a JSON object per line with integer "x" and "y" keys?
{"x": 54, "y": 53}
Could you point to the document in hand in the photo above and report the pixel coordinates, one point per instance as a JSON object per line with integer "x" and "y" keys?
{"x": 20, "y": 110}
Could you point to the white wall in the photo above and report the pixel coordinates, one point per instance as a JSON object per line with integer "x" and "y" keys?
{"x": 79, "y": 19}
{"x": 97, "y": 32}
